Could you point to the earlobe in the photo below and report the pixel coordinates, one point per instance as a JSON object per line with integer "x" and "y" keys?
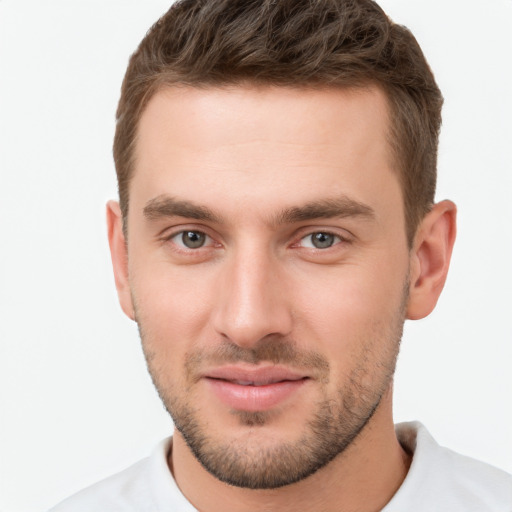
{"x": 119, "y": 255}
{"x": 430, "y": 259}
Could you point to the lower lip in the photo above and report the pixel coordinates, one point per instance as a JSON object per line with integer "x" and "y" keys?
{"x": 254, "y": 398}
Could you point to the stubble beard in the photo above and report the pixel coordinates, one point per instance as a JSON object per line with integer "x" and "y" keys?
{"x": 333, "y": 427}
{"x": 255, "y": 466}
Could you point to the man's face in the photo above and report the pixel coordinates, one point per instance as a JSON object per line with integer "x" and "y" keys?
{"x": 268, "y": 269}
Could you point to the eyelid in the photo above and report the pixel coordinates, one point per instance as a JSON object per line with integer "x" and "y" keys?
{"x": 343, "y": 235}
{"x": 310, "y": 235}
{"x": 167, "y": 235}
{"x": 177, "y": 240}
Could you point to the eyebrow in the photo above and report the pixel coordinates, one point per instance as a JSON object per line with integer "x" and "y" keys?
{"x": 338, "y": 208}
{"x": 165, "y": 206}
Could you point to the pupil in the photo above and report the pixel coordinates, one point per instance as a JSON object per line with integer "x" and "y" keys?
{"x": 322, "y": 240}
{"x": 193, "y": 239}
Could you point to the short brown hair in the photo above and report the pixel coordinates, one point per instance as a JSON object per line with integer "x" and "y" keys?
{"x": 295, "y": 43}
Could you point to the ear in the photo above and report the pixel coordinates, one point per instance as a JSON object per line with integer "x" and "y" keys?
{"x": 430, "y": 259}
{"x": 119, "y": 254}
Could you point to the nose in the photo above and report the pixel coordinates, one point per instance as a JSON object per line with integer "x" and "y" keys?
{"x": 252, "y": 302}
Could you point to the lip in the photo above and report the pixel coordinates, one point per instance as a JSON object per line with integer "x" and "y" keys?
{"x": 254, "y": 389}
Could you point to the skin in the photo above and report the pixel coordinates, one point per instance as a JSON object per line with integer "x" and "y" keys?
{"x": 259, "y": 170}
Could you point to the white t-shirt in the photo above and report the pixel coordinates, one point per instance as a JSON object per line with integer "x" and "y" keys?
{"x": 438, "y": 480}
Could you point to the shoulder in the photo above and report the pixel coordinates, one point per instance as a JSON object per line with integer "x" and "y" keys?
{"x": 444, "y": 480}
{"x": 142, "y": 487}
{"x": 124, "y": 491}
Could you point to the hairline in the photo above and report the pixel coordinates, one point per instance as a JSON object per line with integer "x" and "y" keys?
{"x": 164, "y": 81}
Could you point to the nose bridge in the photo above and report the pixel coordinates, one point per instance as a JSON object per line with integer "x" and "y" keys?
{"x": 252, "y": 301}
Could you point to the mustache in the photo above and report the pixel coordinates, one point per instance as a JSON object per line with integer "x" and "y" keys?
{"x": 271, "y": 349}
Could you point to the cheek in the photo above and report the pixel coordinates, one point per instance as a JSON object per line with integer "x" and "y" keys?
{"x": 172, "y": 306}
{"x": 353, "y": 310}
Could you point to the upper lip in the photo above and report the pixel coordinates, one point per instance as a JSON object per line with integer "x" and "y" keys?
{"x": 255, "y": 375}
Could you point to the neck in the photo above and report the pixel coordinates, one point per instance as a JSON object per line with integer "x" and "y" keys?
{"x": 363, "y": 478}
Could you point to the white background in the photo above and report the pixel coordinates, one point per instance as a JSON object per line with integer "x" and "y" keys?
{"x": 76, "y": 403}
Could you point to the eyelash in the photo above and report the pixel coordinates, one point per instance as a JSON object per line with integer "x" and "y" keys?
{"x": 180, "y": 246}
{"x": 338, "y": 239}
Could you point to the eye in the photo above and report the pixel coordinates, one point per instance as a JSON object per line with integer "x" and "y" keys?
{"x": 320, "y": 240}
{"x": 191, "y": 239}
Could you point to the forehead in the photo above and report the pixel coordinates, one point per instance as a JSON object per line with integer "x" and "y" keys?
{"x": 273, "y": 146}
{"x": 209, "y": 116}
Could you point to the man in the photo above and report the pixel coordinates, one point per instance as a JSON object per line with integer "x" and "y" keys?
{"x": 276, "y": 163}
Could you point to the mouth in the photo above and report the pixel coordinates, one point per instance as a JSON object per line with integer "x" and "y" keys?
{"x": 254, "y": 383}
{"x": 254, "y": 388}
